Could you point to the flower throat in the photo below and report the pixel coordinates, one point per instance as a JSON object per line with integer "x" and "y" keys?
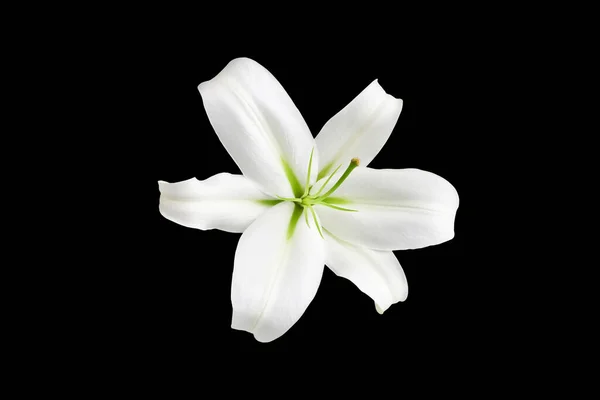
{"x": 306, "y": 201}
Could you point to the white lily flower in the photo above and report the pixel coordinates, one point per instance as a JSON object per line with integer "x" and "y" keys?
{"x": 303, "y": 202}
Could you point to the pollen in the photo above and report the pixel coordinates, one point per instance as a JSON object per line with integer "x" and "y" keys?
{"x": 355, "y": 161}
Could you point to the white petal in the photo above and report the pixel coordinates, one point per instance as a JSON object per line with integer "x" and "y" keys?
{"x": 376, "y": 273}
{"x": 275, "y": 278}
{"x": 259, "y": 125}
{"x": 223, "y": 201}
{"x": 359, "y": 130}
{"x": 398, "y": 209}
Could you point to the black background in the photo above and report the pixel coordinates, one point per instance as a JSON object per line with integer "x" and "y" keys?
{"x": 117, "y": 89}
{"x": 117, "y": 93}
{"x": 174, "y": 293}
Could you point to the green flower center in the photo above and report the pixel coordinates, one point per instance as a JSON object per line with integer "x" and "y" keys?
{"x": 305, "y": 202}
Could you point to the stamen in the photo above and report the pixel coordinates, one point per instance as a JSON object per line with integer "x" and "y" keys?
{"x": 337, "y": 207}
{"x": 353, "y": 164}
{"x": 316, "y": 222}
{"x": 289, "y": 199}
{"x": 306, "y": 217}
{"x": 308, "y": 175}
{"x": 327, "y": 181}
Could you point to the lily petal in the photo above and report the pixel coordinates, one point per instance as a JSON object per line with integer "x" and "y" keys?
{"x": 376, "y": 273}
{"x": 275, "y": 278}
{"x": 359, "y": 130}
{"x": 397, "y": 209}
{"x": 223, "y": 201}
{"x": 260, "y": 127}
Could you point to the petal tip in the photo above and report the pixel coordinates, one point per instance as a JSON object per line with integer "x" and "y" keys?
{"x": 242, "y": 60}
{"x": 262, "y": 339}
{"x": 404, "y": 296}
{"x": 377, "y": 85}
{"x": 242, "y": 322}
{"x": 258, "y": 338}
{"x": 202, "y": 87}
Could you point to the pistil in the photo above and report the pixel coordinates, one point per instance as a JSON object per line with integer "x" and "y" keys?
{"x": 355, "y": 162}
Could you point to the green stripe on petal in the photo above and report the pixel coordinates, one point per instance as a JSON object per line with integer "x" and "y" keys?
{"x": 294, "y": 183}
{"x": 294, "y": 220}
{"x": 268, "y": 202}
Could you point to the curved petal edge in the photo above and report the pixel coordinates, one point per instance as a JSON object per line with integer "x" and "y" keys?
{"x": 260, "y": 126}
{"x": 376, "y": 273}
{"x": 275, "y": 275}
{"x": 397, "y": 209}
{"x": 223, "y": 201}
{"x": 359, "y": 130}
